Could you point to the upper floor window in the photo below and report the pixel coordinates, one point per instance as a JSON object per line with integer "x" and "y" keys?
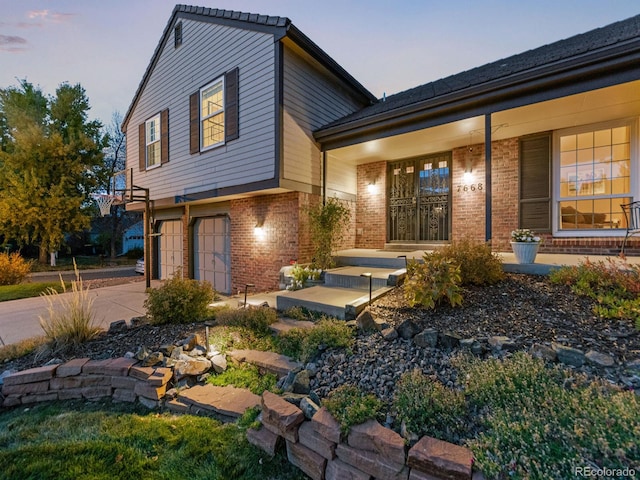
{"x": 152, "y": 128}
{"x": 153, "y": 137}
{"x": 177, "y": 35}
{"x": 594, "y": 176}
{"x": 212, "y": 114}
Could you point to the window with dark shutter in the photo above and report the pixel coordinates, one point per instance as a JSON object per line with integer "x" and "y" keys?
{"x": 535, "y": 182}
{"x": 142, "y": 152}
{"x": 231, "y": 105}
{"x": 164, "y": 136}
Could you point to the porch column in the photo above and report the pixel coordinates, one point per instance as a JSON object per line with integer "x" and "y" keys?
{"x": 487, "y": 174}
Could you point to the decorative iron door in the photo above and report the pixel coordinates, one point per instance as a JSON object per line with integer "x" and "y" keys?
{"x": 419, "y": 199}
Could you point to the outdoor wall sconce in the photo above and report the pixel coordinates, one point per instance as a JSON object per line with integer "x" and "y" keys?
{"x": 468, "y": 168}
{"x": 258, "y": 230}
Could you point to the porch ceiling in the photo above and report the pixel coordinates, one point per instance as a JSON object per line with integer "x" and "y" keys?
{"x": 620, "y": 101}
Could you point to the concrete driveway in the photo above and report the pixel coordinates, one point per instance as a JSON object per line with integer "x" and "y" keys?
{"x": 19, "y": 318}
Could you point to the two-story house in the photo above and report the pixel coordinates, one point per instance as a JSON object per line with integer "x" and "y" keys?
{"x": 242, "y": 121}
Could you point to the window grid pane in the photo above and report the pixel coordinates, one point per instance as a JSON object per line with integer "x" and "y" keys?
{"x": 594, "y": 179}
{"x": 212, "y": 114}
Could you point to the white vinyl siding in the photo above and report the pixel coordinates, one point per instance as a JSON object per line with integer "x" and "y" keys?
{"x": 312, "y": 98}
{"x": 179, "y": 72}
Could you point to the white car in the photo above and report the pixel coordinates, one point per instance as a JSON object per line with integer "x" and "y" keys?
{"x": 140, "y": 266}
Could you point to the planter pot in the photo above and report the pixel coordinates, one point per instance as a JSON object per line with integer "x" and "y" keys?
{"x": 525, "y": 252}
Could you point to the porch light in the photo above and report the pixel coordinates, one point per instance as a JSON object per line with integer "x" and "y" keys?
{"x": 258, "y": 230}
{"x": 371, "y": 188}
{"x": 468, "y": 169}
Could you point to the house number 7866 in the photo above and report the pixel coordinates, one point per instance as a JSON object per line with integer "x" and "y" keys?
{"x": 470, "y": 188}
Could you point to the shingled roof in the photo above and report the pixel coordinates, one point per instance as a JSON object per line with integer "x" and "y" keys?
{"x": 528, "y": 63}
{"x": 279, "y": 26}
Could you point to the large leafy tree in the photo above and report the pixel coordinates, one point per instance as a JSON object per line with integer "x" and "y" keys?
{"x": 48, "y": 150}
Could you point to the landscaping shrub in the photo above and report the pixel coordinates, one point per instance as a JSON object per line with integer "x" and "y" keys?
{"x": 478, "y": 264}
{"x": 327, "y": 224}
{"x": 541, "y": 422}
{"x": 245, "y": 376}
{"x": 430, "y": 283}
{"x": 256, "y": 319}
{"x": 350, "y": 406}
{"x": 224, "y": 338}
{"x": 70, "y": 318}
{"x": 179, "y": 300}
{"x": 304, "y": 344}
{"x": 302, "y": 313}
{"x": 13, "y": 268}
{"x": 426, "y": 407}
{"x": 614, "y": 285}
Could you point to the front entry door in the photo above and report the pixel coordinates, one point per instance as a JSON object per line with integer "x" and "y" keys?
{"x": 419, "y": 199}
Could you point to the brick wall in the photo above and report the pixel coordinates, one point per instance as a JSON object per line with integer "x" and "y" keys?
{"x": 505, "y": 201}
{"x": 371, "y": 206}
{"x": 468, "y": 194}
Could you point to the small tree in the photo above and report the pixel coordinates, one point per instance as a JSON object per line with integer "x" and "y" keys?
{"x": 327, "y": 224}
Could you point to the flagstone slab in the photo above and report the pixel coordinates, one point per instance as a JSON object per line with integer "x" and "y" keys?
{"x": 229, "y": 401}
{"x": 273, "y": 362}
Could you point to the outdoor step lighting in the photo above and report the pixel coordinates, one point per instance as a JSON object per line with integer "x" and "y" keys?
{"x": 368, "y": 275}
{"x": 246, "y": 287}
{"x": 406, "y": 266}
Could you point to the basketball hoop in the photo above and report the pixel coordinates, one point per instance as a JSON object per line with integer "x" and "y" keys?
{"x": 105, "y": 201}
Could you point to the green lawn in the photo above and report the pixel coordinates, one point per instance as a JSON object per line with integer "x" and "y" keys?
{"x": 26, "y": 290}
{"x": 83, "y": 262}
{"x": 106, "y": 441}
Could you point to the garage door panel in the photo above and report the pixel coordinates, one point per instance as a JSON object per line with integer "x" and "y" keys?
{"x": 212, "y": 252}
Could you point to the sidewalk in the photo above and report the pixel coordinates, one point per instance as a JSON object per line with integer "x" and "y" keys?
{"x": 19, "y": 318}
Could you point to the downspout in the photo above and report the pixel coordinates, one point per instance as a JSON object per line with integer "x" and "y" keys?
{"x": 487, "y": 175}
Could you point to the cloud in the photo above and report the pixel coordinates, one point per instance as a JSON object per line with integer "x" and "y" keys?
{"x": 12, "y": 43}
{"x": 49, "y": 15}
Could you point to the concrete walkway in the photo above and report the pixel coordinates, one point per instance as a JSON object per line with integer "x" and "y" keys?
{"x": 19, "y": 319}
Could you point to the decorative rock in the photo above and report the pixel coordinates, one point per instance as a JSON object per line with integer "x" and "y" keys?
{"x": 191, "y": 342}
{"x": 408, "y": 329}
{"x": 366, "y": 322}
{"x": 280, "y": 416}
{"x": 374, "y": 437}
{"x": 309, "y": 407}
{"x": 188, "y": 366}
{"x": 4, "y": 374}
{"x": 197, "y": 351}
{"x": 153, "y": 359}
{"x": 264, "y": 439}
{"x": 118, "y": 326}
{"x": 301, "y": 383}
{"x": 306, "y": 460}
{"x": 31, "y": 375}
{"x": 372, "y": 463}
{"x": 467, "y": 343}
{"x": 326, "y": 425}
{"x": 71, "y": 368}
{"x": 389, "y": 334}
{"x": 149, "y": 403}
{"x": 167, "y": 349}
{"x": 176, "y": 406}
{"x": 143, "y": 389}
{"x": 449, "y": 340}
{"x": 441, "y": 459}
{"x": 634, "y": 364}
{"x": 228, "y": 401}
{"x": 219, "y": 363}
{"x": 142, "y": 353}
{"x": 543, "y": 352}
{"x": 308, "y": 437}
{"x": 428, "y": 338}
{"x": 338, "y": 470}
{"x": 599, "y": 359}
{"x": 501, "y": 343}
{"x": 270, "y": 361}
{"x": 568, "y": 355}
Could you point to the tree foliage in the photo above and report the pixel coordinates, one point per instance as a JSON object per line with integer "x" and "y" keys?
{"x": 48, "y": 149}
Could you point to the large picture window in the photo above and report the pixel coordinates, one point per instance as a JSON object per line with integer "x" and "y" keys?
{"x": 212, "y": 114}
{"x": 594, "y": 177}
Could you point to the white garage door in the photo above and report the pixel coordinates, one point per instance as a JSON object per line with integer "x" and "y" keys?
{"x": 170, "y": 248}
{"x": 212, "y": 252}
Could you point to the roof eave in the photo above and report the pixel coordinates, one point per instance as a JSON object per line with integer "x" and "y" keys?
{"x": 600, "y": 63}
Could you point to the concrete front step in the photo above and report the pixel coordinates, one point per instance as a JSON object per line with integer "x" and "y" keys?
{"x": 342, "y": 303}
{"x": 352, "y": 277}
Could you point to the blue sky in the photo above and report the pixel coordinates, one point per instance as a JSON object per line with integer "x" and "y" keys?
{"x": 388, "y": 46}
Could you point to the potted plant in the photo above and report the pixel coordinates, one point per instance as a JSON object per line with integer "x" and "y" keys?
{"x": 525, "y": 244}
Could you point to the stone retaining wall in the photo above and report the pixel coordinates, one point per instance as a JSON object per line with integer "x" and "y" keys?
{"x": 118, "y": 378}
{"x": 368, "y": 451}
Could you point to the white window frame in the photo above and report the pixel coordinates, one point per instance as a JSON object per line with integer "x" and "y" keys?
{"x": 149, "y": 140}
{"x": 203, "y": 118}
{"x": 633, "y": 125}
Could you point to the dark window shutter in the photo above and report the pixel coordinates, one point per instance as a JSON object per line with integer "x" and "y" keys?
{"x": 231, "y": 123}
{"x": 194, "y": 123}
{"x": 142, "y": 149}
{"x": 535, "y": 182}
{"x": 164, "y": 136}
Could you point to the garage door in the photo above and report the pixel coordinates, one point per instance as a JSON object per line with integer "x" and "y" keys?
{"x": 169, "y": 248}
{"x": 212, "y": 252}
